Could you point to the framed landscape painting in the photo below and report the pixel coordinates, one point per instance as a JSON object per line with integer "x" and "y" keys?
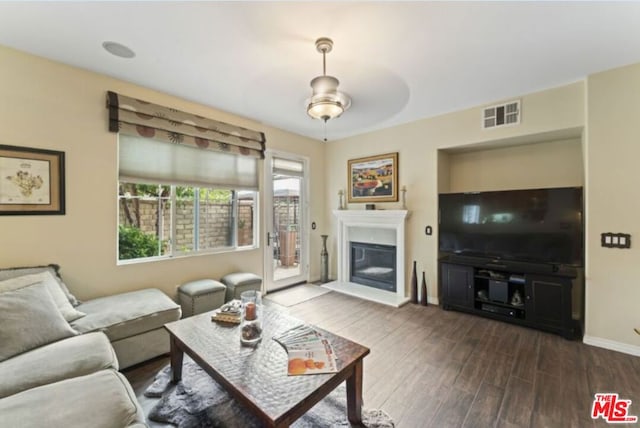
{"x": 31, "y": 181}
{"x": 373, "y": 179}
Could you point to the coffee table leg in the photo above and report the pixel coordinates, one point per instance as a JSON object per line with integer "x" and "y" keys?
{"x": 354, "y": 395}
{"x": 176, "y": 360}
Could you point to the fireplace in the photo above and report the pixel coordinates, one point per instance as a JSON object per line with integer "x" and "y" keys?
{"x": 373, "y": 265}
{"x": 379, "y": 230}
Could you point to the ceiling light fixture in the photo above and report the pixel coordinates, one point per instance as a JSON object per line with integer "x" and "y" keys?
{"x": 326, "y": 102}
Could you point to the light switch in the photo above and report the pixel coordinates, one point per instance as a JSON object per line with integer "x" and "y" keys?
{"x": 615, "y": 240}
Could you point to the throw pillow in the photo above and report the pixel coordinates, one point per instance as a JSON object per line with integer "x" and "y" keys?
{"x": 29, "y": 319}
{"x": 8, "y": 273}
{"x": 68, "y": 312}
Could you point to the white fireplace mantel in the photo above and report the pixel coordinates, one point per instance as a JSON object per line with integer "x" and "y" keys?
{"x": 374, "y": 227}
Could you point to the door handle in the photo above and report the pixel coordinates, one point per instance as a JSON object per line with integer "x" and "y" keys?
{"x": 268, "y": 239}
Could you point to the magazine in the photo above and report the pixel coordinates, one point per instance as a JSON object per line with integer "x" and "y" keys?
{"x": 308, "y": 351}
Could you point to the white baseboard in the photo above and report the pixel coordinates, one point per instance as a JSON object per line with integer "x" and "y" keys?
{"x": 612, "y": 345}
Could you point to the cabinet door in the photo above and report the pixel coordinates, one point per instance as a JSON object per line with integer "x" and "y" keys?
{"x": 548, "y": 302}
{"x": 457, "y": 285}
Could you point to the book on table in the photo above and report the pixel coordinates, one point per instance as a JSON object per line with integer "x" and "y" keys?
{"x": 230, "y": 312}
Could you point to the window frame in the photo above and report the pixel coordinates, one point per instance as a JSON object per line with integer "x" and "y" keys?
{"x": 173, "y": 253}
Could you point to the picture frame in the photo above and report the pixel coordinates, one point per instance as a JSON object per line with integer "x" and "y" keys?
{"x": 373, "y": 179}
{"x": 32, "y": 181}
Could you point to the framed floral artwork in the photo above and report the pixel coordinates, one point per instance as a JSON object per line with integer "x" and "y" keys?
{"x": 31, "y": 181}
{"x": 373, "y": 179}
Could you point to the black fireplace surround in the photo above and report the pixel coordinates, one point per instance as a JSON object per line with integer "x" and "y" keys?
{"x": 373, "y": 265}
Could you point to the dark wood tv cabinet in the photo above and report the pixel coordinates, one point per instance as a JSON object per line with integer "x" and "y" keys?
{"x": 529, "y": 294}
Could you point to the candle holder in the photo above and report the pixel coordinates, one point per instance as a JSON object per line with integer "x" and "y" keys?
{"x": 251, "y": 325}
{"x": 340, "y": 199}
{"x": 404, "y": 197}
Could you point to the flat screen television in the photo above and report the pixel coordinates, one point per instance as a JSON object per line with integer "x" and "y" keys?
{"x": 534, "y": 225}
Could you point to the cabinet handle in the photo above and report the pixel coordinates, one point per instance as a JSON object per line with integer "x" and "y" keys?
{"x": 528, "y": 297}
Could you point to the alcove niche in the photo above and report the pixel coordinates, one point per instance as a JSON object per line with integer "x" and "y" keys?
{"x": 553, "y": 159}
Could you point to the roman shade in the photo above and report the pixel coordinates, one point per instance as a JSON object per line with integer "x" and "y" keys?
{"x": 159, "y": 144}
{"x": 136, "y": 117}
{"x": 288, "y": 167}
{"x": 145, "y": 160}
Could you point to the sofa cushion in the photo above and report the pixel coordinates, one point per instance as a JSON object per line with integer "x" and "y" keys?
{"x": 76, "y": 356}
{"x": 29, "y": 318}
{"x": 100, "y": 400}
{"x": 47, "y": 278}
{"x": 127, "y": 314}
{"x": 7, "y": 273}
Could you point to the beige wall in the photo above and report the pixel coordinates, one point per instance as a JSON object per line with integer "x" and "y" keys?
{"x": 529, "y": 166}
{"x": 38, "y": 97}
{"x": 613, "y": 205}
{"x": 546, "y": 116}
{"x": 53, "y": 106}
{"x": 444, "y": 174}
{"x": 590, "y": 126}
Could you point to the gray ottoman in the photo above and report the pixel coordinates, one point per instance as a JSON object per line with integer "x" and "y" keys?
{"x": 240, "y": 281}
{"x": 200, "y": 296}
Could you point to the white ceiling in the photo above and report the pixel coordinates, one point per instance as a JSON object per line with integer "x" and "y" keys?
{"x": 399, "y": 61}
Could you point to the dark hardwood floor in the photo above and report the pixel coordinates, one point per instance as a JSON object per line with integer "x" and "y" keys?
{"x": 435, "y": 368}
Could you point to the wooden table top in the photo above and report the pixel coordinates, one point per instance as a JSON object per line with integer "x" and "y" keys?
{"x": 258, "y": 376}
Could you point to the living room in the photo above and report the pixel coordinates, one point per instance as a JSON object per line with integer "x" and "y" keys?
{"x": 578, "y": 133}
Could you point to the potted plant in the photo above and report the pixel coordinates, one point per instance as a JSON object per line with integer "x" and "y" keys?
{"x": 288, "y": 238}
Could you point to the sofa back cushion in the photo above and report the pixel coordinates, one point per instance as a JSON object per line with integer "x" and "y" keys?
{"x": 29, "y": 319}
{"x": 68, "y": 312}
{"x": 7, "y": 273}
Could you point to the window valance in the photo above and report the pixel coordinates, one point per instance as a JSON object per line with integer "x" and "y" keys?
{"x": 147, "y": 120}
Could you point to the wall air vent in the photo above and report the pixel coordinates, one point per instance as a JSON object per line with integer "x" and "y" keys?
{"x": 501, "y": 115}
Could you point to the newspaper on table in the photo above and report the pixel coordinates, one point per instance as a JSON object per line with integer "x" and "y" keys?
{"x": 309, "y": 352}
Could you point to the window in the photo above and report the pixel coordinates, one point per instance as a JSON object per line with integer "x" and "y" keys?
{"x": 187, "y": 184}
{"x": 159, "y": 220}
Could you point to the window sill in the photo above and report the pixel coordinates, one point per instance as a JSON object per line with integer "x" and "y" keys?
{"x": 185, "y": 255}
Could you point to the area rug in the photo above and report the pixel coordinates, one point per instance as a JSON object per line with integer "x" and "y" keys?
{"x": 298, "y": 294}
{"x": 197, "y": 401}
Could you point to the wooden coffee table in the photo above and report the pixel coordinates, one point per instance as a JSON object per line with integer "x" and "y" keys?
{"x": 257, "y": 377}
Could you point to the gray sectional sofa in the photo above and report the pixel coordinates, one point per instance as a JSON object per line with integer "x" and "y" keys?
{"x": 59, "y": 358}
{"x": 70, "y": 383}
{"x": 133, "y": 322}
